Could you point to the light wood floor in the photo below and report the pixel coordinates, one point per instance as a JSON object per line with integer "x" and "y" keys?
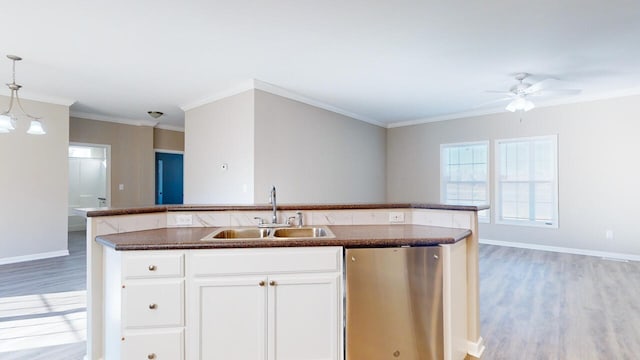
{"x": 535, "y": 305}
{"x": 541, "y": 306}
{"x": 43, "y": 306}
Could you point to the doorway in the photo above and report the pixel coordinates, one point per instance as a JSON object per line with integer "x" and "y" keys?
{"x": 169, "y": 177}
{"x": 89, "y": 170}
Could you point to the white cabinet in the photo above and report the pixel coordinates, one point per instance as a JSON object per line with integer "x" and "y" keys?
{"x": 303, "y": 321}
{"x": 224, "y": 304}
{"x": 265, "y": 304}
{"x": 144, "y": 305}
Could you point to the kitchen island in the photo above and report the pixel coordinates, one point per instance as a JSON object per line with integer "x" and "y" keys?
{"x": 125, "y": 244}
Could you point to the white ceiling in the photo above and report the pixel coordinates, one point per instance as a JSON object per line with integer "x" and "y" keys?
{"x": 387, "y": 62}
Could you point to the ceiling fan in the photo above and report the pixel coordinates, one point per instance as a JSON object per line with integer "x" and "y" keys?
{"x": 521, "y": 93}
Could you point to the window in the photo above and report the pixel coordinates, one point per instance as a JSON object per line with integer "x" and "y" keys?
{"x": 464, "y": 175}
{"x": 527, "y": 181}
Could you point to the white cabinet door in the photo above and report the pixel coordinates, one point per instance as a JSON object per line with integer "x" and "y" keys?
{"x": 305, "y": 317}
{"x": 228, "y": 318}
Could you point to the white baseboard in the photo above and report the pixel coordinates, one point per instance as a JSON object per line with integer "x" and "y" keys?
{"x": 476, "y": 349}
{"x": 17, "y": 259}
{"x": 603, "y": 254}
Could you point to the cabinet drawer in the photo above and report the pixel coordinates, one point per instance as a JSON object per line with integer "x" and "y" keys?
{"x": 167, "y": 345}
{"x": 271, "y": 261}
{"x": 153, "y": 303}
{"x": 148, "y": 264}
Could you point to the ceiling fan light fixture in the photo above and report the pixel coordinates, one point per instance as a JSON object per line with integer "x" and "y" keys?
{"x": 520, "y": 104}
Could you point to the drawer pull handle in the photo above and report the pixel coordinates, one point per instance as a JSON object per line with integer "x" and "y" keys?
{"x": 153, "y": 306}
{"x": 152, "y": 268}
{"x": 272, "y": 283}
{"x": 261, "y": 283}
{"x": 151, "y": 356}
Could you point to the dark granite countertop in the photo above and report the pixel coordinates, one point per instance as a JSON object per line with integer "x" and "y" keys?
{"x": 345, "y": 235}
{"x": 95, "y": 212}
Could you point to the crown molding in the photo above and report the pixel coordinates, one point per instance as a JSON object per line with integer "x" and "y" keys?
{"x": 276, "y": 90}
{"x": 98, "y": 117}
{"x": 539, "y": 104}
{"x": 255, "y": 84}
{"x": 56, "y": 100}
{"x": 170, "y": 127}
{"x": 235, "y": 90}
{"x": 454, "y": 116}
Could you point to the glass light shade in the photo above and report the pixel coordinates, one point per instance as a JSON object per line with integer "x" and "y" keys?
{"x": 7, "y": 123}
{"x": 528, "y": 105}
{"x": 3, "y": 130}
{"x": 520, "y": 104}
{"x": 36, "y": 128}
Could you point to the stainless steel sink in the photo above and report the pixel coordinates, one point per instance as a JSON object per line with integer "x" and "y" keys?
{"x": 249, "y": 233}
{"x": 238, "y": 233}
{"x": 302, "y": 232}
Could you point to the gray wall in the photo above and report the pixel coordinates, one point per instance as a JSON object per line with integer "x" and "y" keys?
{"x": 316, "y": 156}
{"x": 311, "y": 155}
{"x": 164, "y": 139}
{"x": 599, "y": 170}
{"x": 34, "y": 184}
{"x": 219, "y": 133}
{"x": 132, "y": 157}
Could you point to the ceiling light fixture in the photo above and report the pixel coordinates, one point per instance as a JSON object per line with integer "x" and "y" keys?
{"x": 520, "y": 104}
{"x": 155, "y": 114}
{"x": 7, "y": 118}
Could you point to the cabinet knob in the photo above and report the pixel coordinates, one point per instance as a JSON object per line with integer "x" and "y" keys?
{"x": 261, "y": 283}
{"x": 272, "y": 283}
{"x": 152, "y": 268}
{"x": 153, "y": 306}
{"x": 151, "y": 356}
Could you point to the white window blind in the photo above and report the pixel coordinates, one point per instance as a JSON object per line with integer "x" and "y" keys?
{"x": 464, "y": 174}
{"x": 527, "y": 181}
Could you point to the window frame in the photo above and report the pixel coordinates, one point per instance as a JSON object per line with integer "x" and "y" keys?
{"x": 554, "y": 223}
{"x": 487, "y": 144}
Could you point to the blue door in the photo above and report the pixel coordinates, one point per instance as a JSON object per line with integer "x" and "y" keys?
{"x": 169, "y": 181}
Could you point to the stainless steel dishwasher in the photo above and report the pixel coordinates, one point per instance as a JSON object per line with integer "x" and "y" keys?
{"x": 394, "y": 304}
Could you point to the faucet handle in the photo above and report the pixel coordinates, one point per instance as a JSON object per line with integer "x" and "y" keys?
{"x": 260, "y": 220}
{"x": 299, "y": 218}
{"x": 289, "y": 219}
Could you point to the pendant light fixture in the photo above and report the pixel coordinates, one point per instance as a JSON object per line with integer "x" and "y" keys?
{"x": 8, "y": 118}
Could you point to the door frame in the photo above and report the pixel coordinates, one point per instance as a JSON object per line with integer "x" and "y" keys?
{"x": 108, "y": 154}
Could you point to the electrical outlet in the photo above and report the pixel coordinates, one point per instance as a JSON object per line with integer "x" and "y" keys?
{"x": 184, "y": 219}
{"x": 396, "y": 217}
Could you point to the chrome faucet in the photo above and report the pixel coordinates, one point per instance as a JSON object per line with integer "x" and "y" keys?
{"x": 297, "y": 219}
{"x": 272, "y": 199}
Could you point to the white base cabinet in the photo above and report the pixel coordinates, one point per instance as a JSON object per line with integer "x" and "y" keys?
{"x": 144, "y": 305}
{"x": 231, "y": 304}
{"x": 269, "y": 304}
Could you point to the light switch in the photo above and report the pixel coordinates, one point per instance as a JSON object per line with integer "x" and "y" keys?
{"x": 120, "y": 187}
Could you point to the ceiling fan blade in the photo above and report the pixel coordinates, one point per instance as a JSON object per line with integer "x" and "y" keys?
{"x": 556, "y": 92}
{"x": 540, "y": 85}
{"x": 500, "y": 92}
{"x": 493, "y": 102}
